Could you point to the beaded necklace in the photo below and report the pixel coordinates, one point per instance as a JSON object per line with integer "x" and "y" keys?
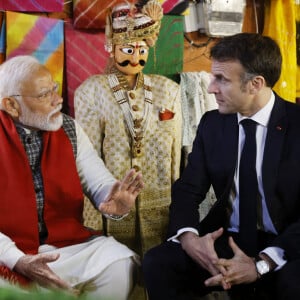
{"x": 137, "y": 127}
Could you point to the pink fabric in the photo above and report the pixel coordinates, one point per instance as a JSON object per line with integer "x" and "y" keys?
{"x": 32, "y": 5}
{"x": 168, "y": 5}
{"x": 85, "y": 56}
{"x": 91, "y": 14}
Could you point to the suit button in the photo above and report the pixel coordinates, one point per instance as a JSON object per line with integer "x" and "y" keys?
{"x": 137, "y": 168}
{"x": 137, "y": 123}
{"x": 132, "y": 95}
{"x": 135, "y": 107}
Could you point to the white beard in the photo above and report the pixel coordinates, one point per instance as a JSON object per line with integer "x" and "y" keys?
{"x": 40, "y": 121}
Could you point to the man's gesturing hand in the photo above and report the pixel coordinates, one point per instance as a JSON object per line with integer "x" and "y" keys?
{"x": 123, "y": 194}
{"x": 35, "y": 267}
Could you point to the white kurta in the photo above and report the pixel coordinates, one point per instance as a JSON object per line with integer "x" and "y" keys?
{"x": 82, "y": 262}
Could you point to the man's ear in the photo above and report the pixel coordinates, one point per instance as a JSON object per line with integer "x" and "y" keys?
{"x": 11, "y": 106}
{"x": 257, "y": 83}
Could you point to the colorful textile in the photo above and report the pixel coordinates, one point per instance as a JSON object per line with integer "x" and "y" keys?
{"x": 32, "y": 5}
{"x": 280, "y": 24}
{"x": 170, "y": 41}
{"x": 38, "y": 36}
{"x": 85, "y": 56}
{"x": 91, "y": 14}
{"x": 13, "y": 277}
{"x": 174, "y": 7}
{"x": 297, "y": 7}
{"x": 2, "y": 38}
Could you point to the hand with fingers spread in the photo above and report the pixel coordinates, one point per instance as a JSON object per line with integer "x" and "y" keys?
{"x": 123, "y": 194}
{"x": 35, "y": 267}
{"x": 240, "y": 269}
{"x": 201, "y": 249}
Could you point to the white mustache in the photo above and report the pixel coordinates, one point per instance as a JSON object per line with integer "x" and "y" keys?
{"x": 54, "y": 111}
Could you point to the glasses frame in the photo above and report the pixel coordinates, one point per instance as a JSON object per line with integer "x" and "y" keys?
{"x": 44, "y": 95}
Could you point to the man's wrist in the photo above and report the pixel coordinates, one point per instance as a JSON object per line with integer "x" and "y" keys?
{"x": 269, "y": 260}
{"x": 186, "y": 235}
{"x": 262, "y": 267}
{"x": 264, "y": 264}
{"x": 186, "y": 238}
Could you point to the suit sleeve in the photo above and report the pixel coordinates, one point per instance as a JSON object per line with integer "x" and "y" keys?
{"x": 191, "y": 188}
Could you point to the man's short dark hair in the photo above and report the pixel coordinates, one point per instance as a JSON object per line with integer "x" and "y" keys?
{"x": 258, "y": 54}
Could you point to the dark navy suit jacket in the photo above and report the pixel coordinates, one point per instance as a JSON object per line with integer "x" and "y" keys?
{"x": 213, "y": 160}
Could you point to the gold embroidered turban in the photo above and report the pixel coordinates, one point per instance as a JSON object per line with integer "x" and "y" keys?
{"x": 127, "y": 23}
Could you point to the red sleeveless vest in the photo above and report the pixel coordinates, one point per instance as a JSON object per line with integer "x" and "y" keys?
{"x": 63, "y": 195}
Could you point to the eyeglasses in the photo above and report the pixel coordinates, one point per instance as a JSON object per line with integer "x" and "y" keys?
{"x": 44, "y": 96}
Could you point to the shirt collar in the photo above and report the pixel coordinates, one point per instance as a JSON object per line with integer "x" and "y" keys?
{"x": 262, "y": 117}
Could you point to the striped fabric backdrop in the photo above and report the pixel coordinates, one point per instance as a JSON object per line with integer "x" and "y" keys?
{"x": 32, "y": 5}
{"x": 91, "y": 14}
{"x": 85, "y": 56}
{"x": 2, "y": 38}
{"x": 38, "y": 36}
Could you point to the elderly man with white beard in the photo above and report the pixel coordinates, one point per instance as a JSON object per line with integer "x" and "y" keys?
{"x": 47, "y": 165}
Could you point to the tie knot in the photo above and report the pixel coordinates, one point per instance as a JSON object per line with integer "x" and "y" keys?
{"x": 249, "y": 126}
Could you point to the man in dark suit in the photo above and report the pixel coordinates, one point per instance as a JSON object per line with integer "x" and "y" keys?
{"x": 221, "y": 252}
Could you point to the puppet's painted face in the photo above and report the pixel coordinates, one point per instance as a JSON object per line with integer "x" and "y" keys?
{"x": 131, "y": 58}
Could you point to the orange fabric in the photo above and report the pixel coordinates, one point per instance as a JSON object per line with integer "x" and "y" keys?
{"x": 13, "y": 277}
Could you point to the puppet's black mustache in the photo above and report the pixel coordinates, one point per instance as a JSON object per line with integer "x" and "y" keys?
{"x": 125, "y": 63}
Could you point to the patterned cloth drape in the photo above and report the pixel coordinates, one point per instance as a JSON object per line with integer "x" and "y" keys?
{"x": 174, "y": 7}
{"x": 85, "y": 56}
{"x": 32, "y": 5}
{"x": 38, "y": 36}
{"x": 91, "y": 14}
{"x": 2, "y": 37}
{"x": 195, "y": 101}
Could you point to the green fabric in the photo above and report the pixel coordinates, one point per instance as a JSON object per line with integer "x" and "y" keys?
{"x": 166, "y": 58}
{"x": 16, "y": 293}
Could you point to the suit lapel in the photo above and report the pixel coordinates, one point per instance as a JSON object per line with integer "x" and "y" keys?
{"x": 226, "y": 155}
{"x": 230, "y": 146}
{"x": 273, "y": 147}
